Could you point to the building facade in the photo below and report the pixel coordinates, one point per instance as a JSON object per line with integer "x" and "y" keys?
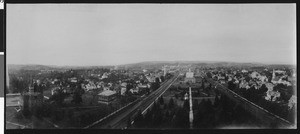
{"x": 189, "y": 77}
{"x": 107, "y": 96}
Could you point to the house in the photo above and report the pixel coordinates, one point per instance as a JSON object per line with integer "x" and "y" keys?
{"x": 143, "y": 85}
{"x": 105, "y": 75}
{"x": 276, "y": 79}
{"x": 186, "y": 96}
{"x": 263, "y": 78}
{"x": 150, "y": 78}
{"x": 221, "y": 77}
{"x": 123, "y": 90}
{"x": 107, "y": 96}
{"x": 134, "y": 90}
{"x": 222, "y": 81}
{"x": 244, "y": 71}
{"x": 55, "y": 81}
{"x": 284, "y": 82}
{"x": 55, "y": 90}
{"x": 124, "y": 84}
{"x": 73, "y": 80}
{"x": 90, "y": 86}
{"x": 272, "y": 95}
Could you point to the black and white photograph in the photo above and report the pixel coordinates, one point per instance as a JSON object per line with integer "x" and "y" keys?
{"x": 150, "y": 66}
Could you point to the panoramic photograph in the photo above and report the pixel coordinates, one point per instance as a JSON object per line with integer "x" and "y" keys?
{"x": 151, "y": 66}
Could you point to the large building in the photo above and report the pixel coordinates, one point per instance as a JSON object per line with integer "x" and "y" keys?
{"x": 107, "y": 96}
{"x": 189, "y": 77}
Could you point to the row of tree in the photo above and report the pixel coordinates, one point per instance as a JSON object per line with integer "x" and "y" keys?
{"x": 223, "y": 112}
{"x": 163, "y": 115}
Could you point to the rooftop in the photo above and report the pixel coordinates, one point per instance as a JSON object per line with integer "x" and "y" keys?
{"x": 107, "y": 93}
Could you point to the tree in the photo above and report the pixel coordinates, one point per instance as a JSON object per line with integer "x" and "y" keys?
{"x": 167, "y": 116}
{"x": 77, "y": 98}
{"x": 263, "y": 89}
{"x": 17, "y": 85}
{"x": 208, "y": 74}
{"x": 217, "y": 101}
{"x": 128, "y": 87}
{"x": 157, "y": 118}
{"x": 148, "y": 91}
{"x": 176, "y": 96}
{"x": 161, "y": 100}
{"x": 209, "y": 106}
{"x": 58, "y": 97}
{"x": 148, "y": 117}
{"x": 77, "y": 94}
{"x": 195, "y": 104}
{"x": 139, "y": 119}
{"x": 157, "y": 80}
{"x": 247, "y": 78}
{"x": 155, "y": 107}
{"x": 162, "y": 78}
{"x": 171, "y": 103}
{"x": 165, "y": 106}
{"x": 231, "y": 85}
{"x": 202, "y": 84}
{"x": 128, "y": 123}
{"x": 154, "y": 85}
{"x": 181, "y": 118}
{"x": 186, "y": 105}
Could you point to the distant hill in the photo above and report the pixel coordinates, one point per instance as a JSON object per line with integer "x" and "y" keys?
{"x": 144, "y": 65}
{"x": 16, "y": 67}
{"x": 153, "y": 64}
{"x": 159, "y": 64}
{"x": 28, "y": 67}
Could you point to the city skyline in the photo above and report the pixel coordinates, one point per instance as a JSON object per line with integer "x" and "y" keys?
{"x": 106, "y": 34}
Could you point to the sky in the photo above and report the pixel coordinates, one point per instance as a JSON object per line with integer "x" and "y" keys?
{"x": 114, "y": 34}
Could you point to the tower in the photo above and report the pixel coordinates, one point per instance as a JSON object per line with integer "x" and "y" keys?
{"x": 33, "y": 98}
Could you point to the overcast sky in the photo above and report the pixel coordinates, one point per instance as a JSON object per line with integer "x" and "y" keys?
{"x": 85, "y": 34}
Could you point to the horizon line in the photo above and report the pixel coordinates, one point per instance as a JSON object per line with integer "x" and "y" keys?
{"x": 204, "y": 61}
